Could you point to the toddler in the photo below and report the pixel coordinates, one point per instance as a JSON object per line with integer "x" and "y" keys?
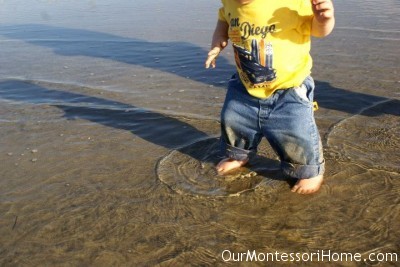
{"x": 271, "y": 94}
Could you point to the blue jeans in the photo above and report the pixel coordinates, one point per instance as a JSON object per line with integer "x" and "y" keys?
{"x": 286, "y": 119}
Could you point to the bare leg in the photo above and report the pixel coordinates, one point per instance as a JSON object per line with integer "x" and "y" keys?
{"x": 308, "y": 186}
{"x": 228, "y": 164}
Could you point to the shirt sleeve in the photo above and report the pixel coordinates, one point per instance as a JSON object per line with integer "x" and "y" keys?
{"x": 221, "y": 14}
{"x": 306, "y": 16}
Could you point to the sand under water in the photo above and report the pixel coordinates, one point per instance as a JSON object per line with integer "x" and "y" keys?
{"x": 109, "y": 132}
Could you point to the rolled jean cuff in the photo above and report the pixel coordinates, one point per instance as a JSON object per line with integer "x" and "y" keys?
{"x": 237, "y": 153}
{"x": 302, "y": 171}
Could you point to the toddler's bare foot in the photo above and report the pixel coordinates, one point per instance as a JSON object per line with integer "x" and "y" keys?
{"x": 308, "y": 186}
{"x": 228, "y": 164}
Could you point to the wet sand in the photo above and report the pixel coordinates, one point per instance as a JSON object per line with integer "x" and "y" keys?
{"x": 109, "y": 132}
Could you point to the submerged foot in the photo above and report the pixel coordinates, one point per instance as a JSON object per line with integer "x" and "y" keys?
{"x": 308, "y": 186}
{"x": 228, "y": 164}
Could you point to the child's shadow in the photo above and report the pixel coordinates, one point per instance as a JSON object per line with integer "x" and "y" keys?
{"x": 160, "y": 129}
{"x": 178, "y": 58}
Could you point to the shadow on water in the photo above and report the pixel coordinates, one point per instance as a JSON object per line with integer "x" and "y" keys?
{"x": 180, "y": 58}
{"x": 352, "y": 103}
{"x": 154, "y": 127}
{"x": 159, "y": 129}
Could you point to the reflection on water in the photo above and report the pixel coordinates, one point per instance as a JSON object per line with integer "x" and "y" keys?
{"x": 110, "y": 128}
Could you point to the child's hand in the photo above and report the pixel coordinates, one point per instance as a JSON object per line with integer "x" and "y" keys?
{"x": 214, "y": 52}
{"x": 324, "y": 18}
{"x": 323, "y": 10}
{"x": 219, "y": 41}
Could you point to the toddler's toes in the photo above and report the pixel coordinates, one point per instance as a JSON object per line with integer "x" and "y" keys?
{"x": 308, "y": 186}
{"x": 228, "y": 164}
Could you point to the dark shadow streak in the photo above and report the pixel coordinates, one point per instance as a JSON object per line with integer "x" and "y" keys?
{"x": 159, "y": 129}
{"x": 353, "y": 103}
{"x": 179, "y": 58}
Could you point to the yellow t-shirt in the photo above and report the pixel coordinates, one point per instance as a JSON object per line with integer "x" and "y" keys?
{"x": 271, "y": 41}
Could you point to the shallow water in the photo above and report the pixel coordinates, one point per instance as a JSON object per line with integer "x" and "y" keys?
{"x": 110, "y": 127}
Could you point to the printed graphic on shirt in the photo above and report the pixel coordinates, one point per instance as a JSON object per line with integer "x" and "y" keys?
{"x": 271, "y": 43}
{"x": 241, "y": 31}
{"x": 257, "y": 64}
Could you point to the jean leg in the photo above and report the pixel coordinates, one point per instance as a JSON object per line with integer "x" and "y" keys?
{"x": 292, "y": 132}
{"x": 240, "y": 132}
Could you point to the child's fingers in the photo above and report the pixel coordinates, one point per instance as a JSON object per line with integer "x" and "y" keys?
{"x": 323, "y": 8}
{"x": 325, "y": 14}
{"x": 212, "y": 55}
{"x": 321, "y": 5}
{"x": 316, "y": 2}
{"x": 213, "y": 64}
{"x": 209, "y": 62}
{"x": 214, "y": 52}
